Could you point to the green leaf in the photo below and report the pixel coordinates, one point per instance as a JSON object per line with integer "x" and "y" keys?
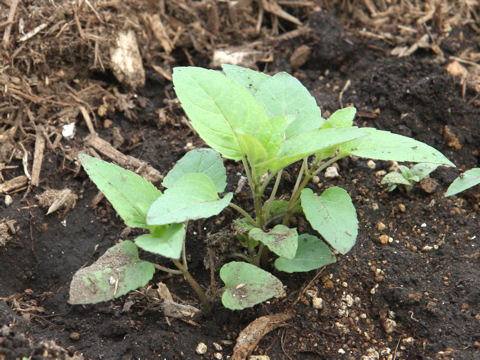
{"x": 129, "y": 193}
{"x": 114, "y": 274}
{"x": 247, "y": 285}
{"x": 192, "y": 197}
{"x": 219, "y": 108}
{"x": 249, "y": 79}
{"x": 165, "y": 240}
{"x": 342, "y": 118}
{"x": 206, "y": 161}
{"x": 300, "y": 146}
{"x": 284, "y": 95}
{"x": 467, "y": 180}
{"x": 312, "y": 253}
{"x": 384, "y": 145}
{"x": 281, "y": 240}
{"x": 395, "y": 178}
{"x": 422, "y": 170}
{"x": 333, "y": 215}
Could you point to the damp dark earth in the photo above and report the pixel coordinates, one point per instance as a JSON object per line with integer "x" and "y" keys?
{"x": 95, "y": 76}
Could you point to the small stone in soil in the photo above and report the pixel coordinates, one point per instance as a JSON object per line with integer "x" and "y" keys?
{"x": 317, "y": 302}
{"x": 402, "y": 207}
{"x": 201, "y": 348}
{"x": 218, "y": 356}
{"x": 381, "y": 226}
{"x": 217, "y": 346}
{"x": 75, "y": 336}
{"x": 331, "y": 172}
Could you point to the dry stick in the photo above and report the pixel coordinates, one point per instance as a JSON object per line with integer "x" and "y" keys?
{"x": 8, "y": 29}
{"x": 38, "y": 157}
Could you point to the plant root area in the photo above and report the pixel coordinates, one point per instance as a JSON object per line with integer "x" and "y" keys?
{"x": 410, "y": 287}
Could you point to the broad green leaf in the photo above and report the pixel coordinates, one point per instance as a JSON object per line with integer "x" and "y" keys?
{"x": 192, "y": 197}
{"x": 129, "y": 193}
{"x": 218, "y": 108}
{"x": 384, "y": 145}
{"x": 284, "y": 95}
{"x": 467, "y": 180}
{"x": 247, "y": 285}
{"x": 312, "y": 253}
{"x": 395, "y": 178}
{"x": 333, "y": 215}
{"x": 342, "y": 118}
{"x": 165, "y": 240}
{"x": 300, "y": 146}
{"x": 114, "y": 274}
{"x": 253, "y": 149}
{"x": 422, "y": 170}
{"x": 248, "y": 78}
{"x": 281, "y": 240}
{"x": 205, "y": 161}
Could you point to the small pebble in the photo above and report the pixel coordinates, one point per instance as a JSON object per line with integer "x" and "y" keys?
{"x": 389, "y": 325}
{"x": 315, "y": 179}
{"x": 75, "y": 336}
{"x": 371, "y": 164}
{"x": 201, "y": 348}
{"x": 218, "y": 356}
{"x": 259, "y": 357}
{"x": 331, "y": 172}
{"x": 402, "y": 207}
{"x": 317, "y": 302}
{"x": 217, "y": 346}
{"x": 8, "y": 200}
{"x": 381, "y": 226}
{"x": 384, "y": 239}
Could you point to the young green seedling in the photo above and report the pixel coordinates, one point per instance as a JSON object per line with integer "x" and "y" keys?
{"x": 192, "y": 188}
{"x": 268, "y": 123}
{"x": 465, "y": 181}
{"x": 407, "y": 177}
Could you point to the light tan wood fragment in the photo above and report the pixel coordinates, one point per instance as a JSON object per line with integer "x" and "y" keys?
{"x": 38, "y": 158}
{"x": 13, "y": 184}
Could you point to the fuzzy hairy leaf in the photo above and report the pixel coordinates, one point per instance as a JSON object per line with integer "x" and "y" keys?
{"x": 247, "y": 285}
{"x": 129, "y": 193}
{"x": 165, "y": 240}
{"x": 300, "y": 146}
{"x": 206, "y": 161}
{"x": 219, "y": 109}
{"x": 114, "y": 274}
{"x": 192, "y": 197}
{"x": 333, "y": 215}
{"x": 469, "y": 179}
{"x": 284, "y": 95}
{"x": 312, "y": 253}
{"x": 281, "y": 240}
{"x": 384, "y": 145}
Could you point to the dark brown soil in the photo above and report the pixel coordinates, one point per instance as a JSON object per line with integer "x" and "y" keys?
{"x": 415, "y": 297}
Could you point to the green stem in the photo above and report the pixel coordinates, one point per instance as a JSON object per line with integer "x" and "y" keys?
{"x": 273, "y": 194}
{"x": 195, "y": 286}
{"x": 258, "y": 257}
{"x": 308, "y": 176}
{"x": 244, "y": 213}
{"x": 167, "y": 270}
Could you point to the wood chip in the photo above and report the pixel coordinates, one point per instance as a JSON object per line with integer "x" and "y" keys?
{"x": 250, "y": 336}
{"x": 13, "y": 184}
{"x": 148, "y": 172}
{"x": 126, "y": 61}
{"x": 38, "y": 158}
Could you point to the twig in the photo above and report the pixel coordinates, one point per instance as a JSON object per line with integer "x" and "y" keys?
{"x": 38, "y": 157}
{"x": 8, "y": 29}
{"x": 340, "y": 96}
